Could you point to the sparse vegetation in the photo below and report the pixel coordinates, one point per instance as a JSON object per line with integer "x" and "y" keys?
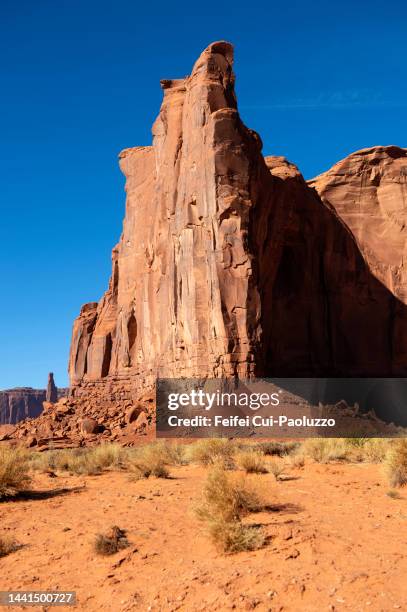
{"x": 252, "y": 462}
{"x": 226, "y": 499}
{"x": 281, "y": 449}
{"x": 111, "y": 542}
{"x": 276, "y": 467}
{"x": 375, "y": 449}
{"x": 234, "y": 536}
{"x": 150, "y": 460}
{"x": 213, "y": 451}
{"x": 395, "y": 463}
{"x": 7, "y": 546}
{"x": 297, "y": 460}
{"x": 89, "y": 461}
{"x": 14, "y": 467}
{"x": 324, "y": 450}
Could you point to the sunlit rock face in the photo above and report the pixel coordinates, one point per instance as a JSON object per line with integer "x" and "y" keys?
{"x": 231, "y": 264}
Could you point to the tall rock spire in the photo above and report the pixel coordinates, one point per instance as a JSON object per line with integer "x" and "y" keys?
{"x": 52, "y": 391}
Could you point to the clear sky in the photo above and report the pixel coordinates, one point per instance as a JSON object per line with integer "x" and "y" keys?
{"x": 80, "y": 82}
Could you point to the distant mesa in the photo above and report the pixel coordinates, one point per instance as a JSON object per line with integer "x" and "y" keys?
{"x": 25, "y": 402}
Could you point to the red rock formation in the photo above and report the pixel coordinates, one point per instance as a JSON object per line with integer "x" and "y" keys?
{"x": 229, "y": 263}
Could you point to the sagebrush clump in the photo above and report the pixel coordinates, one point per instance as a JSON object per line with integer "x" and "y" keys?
{"x": 7, "y": 546}
{"x": 281, "y": 449}
{"x": 150, "y": 460}
{"x": 226, "y": 499}
{"x": 234, "y": 536}
{"x": 252, "y": 462}
{"x": 111, "y": 542}
{"x": 395, "y": 463}
{"x": 324, "y": 450}
{"x": 213, "y": 451}
{"x": 14, "y": 471}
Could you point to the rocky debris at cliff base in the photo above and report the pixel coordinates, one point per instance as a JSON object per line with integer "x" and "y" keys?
{"x": 71, "y": 423}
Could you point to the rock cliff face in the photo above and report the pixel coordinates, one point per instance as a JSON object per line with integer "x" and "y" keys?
{"x": 230, "y": 263}
{"x": 368, "y": 190}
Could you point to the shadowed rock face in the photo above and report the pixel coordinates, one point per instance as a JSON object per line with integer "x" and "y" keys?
{"x": 368, "y": 190}
{"x": 230, "y": 263}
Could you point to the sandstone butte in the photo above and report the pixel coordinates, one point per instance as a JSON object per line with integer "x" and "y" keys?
{"x": 230, "y": 263}
{"x": 25, "y": 402}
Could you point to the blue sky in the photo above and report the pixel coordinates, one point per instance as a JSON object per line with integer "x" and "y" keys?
{"x": 80, "y": 82}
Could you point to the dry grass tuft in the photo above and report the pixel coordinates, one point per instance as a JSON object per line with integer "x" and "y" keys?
{"x": 281, "y": 449}
{"x": 324, "y": 450}
{"x": 111, "y": 542}
{"x": 252, "y": 462}
{"x": 7, "y": 546}
{"x": 234, "y": 536}
{"x": 395, "y": 463}
{"x": 213, "y": 451}
{"x": 375, "y": 449}
{"x": 150, "y": 460}
{"x": 85, "y": 461}
{"x": 226, "y": 499}
{"x": 14, "y": 467}
{"x": 297, "y": 460}
{"x": 277, "y": 468}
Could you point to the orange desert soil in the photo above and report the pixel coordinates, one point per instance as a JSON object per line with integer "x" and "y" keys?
{"x": 336, "y": 542}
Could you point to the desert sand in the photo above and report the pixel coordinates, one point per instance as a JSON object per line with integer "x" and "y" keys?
{"x": 335, "y": 541}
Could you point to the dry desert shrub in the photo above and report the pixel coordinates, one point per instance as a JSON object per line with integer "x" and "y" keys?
{"x": 297, "y": 460}
{"x": 7, "y": 546}
{"x": 84, "y": 461}
{"x": 251, "y": 462}
{"x": 149, "y": 460}
{"x": 277, "y": 468}
{"x": 234, "y": 536}
{"x": 375, "y": 449}
{"x": 173, "y": 453}
{"x": 281, "y": 449}
{"x": 212, "y": 451}
{"x": 111, "y": 542}
{"x": 108, "y": 455}
{"x": 226, "y": 499}
{"x": 14, "y": 467}
{"x": 324, "y": 450}
{"x": 395, "y": 463}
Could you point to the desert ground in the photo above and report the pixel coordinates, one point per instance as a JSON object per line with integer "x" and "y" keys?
{"x": 335, "y": 537}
